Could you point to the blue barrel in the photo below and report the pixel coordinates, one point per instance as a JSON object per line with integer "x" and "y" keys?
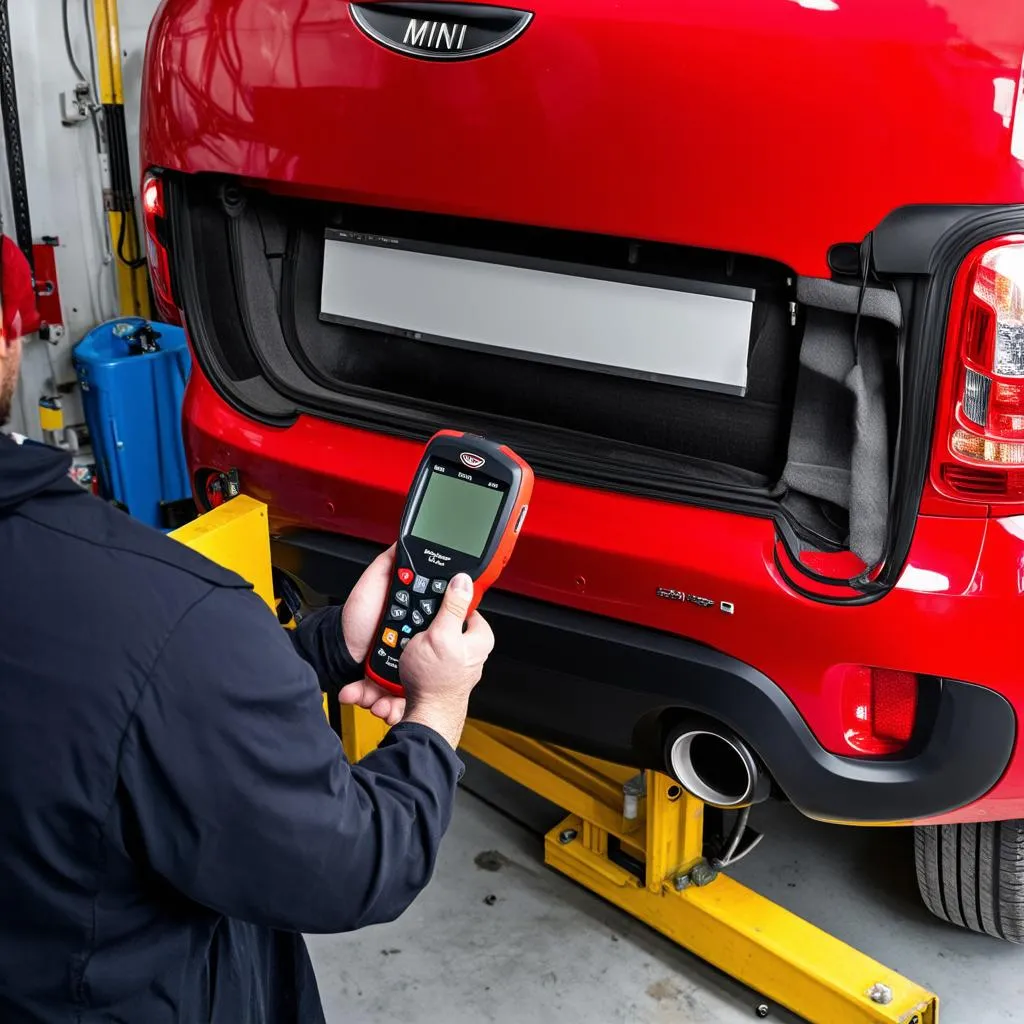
{"x": 133, "y": 375}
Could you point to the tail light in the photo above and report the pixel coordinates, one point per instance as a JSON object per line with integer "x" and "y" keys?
{"x": 879, "y": 708}
{"x": 980, "y": 448}
{"x": 154, "y": 213}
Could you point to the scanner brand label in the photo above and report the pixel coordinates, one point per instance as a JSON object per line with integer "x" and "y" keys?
{"x": 471, "y": 460}
{"x": 436, "y": 558}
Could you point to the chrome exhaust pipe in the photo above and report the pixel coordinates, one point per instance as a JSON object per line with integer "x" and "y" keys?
{"x": 716, "y": 766}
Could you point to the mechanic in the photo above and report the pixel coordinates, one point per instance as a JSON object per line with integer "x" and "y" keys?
{"x": 174, "y": 808}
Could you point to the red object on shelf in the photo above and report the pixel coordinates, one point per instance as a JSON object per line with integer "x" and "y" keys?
{"x": 47, "y": 296}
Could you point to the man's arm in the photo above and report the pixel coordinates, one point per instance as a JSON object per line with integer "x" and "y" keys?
{"x": 243, "y": 795}
{"x": 318, "y": 640}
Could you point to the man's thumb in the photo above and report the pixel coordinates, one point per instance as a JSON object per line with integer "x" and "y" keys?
{"x": 457, "y": 599}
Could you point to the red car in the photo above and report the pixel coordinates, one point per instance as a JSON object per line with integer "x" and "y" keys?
{"x": 744, "y": 281}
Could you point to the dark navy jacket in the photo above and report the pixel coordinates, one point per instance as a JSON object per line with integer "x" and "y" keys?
{"x": 174, "y": 808}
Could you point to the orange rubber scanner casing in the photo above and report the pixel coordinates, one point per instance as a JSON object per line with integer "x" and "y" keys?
{"x": 423, "y": 566}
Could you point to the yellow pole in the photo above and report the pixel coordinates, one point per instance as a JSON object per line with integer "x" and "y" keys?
{"x": 132, "y": 280}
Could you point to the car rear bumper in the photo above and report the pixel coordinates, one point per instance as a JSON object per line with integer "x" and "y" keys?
{"x": 607, "y": 556}
{"x": 609, "y": 688}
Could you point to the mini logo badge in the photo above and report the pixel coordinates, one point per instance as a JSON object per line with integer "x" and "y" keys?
{"x": 432, "y": 31}
{"x": 471, "y": 460}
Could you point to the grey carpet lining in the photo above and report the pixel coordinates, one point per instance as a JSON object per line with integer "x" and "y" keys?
{"x": 878, "y": 304}
{"x": 839, "y": 442}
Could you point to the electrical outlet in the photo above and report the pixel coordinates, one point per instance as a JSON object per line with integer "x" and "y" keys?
{"x": 74, "y": 105}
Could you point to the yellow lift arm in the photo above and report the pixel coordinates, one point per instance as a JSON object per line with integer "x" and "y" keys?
{"x": 780, "y": 956}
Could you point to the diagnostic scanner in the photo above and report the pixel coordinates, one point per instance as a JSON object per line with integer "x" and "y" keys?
{"x": 464, "y": 512}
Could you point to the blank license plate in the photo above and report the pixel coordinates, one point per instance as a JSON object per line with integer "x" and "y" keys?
{"x": 673, "y": 331}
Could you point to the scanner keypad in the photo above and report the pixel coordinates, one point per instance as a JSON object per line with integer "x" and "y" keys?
{"x": 414, "y": 603}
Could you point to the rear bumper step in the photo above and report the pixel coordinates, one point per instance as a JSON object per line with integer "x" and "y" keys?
{"x": 609, "y": 688}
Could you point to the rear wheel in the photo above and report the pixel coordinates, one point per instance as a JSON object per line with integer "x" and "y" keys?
{"x": 973, "y": 875}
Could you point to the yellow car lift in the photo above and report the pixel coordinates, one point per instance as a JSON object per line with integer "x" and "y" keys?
{"x": 657, "y": 825}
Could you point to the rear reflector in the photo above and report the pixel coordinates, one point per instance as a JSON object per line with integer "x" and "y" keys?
{"x": 879, "y": 709}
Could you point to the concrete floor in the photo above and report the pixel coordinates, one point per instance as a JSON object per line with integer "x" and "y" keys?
{"x": 521, "y": 943}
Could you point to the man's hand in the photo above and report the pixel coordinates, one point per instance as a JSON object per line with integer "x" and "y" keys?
{"x": 382, "y": 703}
{"x": 365, "y": 605}
{"x": 441, "y": 666}
{"x": 359, "y": 621}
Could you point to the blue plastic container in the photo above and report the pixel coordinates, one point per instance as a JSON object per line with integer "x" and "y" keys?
{"x": 133, "y": 375}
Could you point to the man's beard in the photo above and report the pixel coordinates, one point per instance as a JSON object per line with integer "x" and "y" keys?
{"x": 7, "y": 385}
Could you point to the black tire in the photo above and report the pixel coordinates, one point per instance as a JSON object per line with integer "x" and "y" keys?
{"x": 973, "y": 875}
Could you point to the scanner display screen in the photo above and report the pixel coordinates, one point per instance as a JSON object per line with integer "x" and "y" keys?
{"x": 458, "y": 510}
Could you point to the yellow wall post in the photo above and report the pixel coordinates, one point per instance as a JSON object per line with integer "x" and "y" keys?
{"x": 132, "y": 281}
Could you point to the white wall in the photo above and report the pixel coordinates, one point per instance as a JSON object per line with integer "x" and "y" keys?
{"x": 64, "y": 184}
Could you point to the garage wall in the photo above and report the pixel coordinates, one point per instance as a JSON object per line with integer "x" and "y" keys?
{"x": 64, "y": 182}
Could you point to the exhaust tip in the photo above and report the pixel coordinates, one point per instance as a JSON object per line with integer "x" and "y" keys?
{"x": 716, "y": 767}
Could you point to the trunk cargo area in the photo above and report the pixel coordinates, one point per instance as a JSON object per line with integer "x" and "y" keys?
{"x": 806, "y": 437}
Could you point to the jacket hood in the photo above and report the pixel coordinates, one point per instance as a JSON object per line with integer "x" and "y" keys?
{"x": 28, "y": 469}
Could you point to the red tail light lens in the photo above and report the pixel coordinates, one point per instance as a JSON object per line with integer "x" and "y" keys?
{"x": 154, "y": 213}
{"x": 879, "y": 709}
{"x": 980, "y": 447}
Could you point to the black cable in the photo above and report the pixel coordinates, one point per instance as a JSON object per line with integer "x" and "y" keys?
{"x": 94, "y": 83}
{"x": 87, "y": 13}
{"x": 860, "y": 298}
{"x": 871, "y": 591}
{"x": 783, "y": 533}
{"x": 76, "y": 67}
{"x": 68, "y": 48}
{"x": 734, "y": 840}
{"x": 140, "y": 262}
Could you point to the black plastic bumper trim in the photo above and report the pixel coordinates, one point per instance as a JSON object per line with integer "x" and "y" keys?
{"x": 596, "y": 684}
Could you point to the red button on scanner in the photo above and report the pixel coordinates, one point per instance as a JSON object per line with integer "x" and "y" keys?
{"x": 406, "y": 576}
